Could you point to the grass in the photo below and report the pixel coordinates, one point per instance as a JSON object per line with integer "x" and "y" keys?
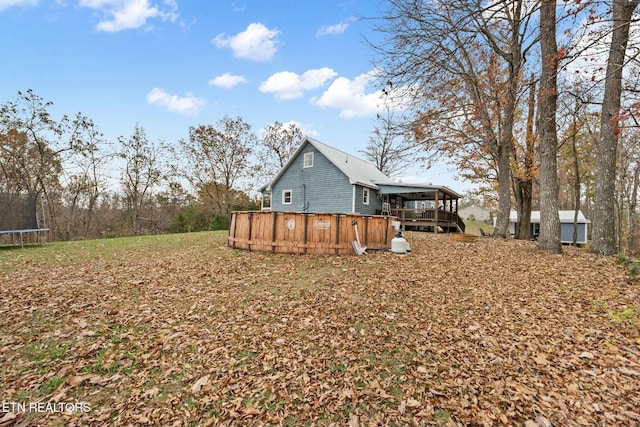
{"x": 44, "y": 351}
{"x": 473, "y": 227}
{"x": 51, "y": 385}
{"x": 310, "y": 340}
{"x": 628, "y": 314}
{"x": 442, "y": 416}
{"x": 61, "y": 254}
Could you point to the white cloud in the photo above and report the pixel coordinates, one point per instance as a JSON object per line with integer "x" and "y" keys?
{"x": 335, "y": 29}
{"x": 5, "y": 4}
{"x": 350, "y": 97}
{"x": 129, "y": 14}
{"x": 307, "y": 129}
{"x": 227, "y": 80}
{"x": 238, "y": 7}
{"x": 257, "y": 42}
{"x": 188, "y": 105}
{"x": 288, "y": 85}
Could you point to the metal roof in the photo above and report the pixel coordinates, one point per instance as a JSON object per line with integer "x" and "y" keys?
{"x": 566, "y": 217}
{"x": 363, "y": 173}
{"x": 356, "y": 170}
{"x": 415, "y": 189}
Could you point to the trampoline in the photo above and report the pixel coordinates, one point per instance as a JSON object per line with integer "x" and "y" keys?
{"x": 19, "y": 216}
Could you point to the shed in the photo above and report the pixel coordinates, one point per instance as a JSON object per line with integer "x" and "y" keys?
{"x": 566, "y": 225}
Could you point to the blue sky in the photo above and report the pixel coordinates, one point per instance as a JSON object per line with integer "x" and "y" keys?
{"x": 171, "y": 64}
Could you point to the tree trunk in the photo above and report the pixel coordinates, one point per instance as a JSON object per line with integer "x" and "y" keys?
{"x": 549, "y": 239}
{"x": 576, "y": 182}
{"x": 524, "y": 186}
{"x": 504, "y": 193}
{"x": 631, "y": 245}
{"x": 604, "y": 214}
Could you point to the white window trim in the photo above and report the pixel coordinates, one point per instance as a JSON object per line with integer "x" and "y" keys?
{"x": 308, "y": 160}
{"x": 365, "y": 196}
{"x": 290, "y": 197}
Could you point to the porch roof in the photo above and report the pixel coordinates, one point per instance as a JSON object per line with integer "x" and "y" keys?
{"x": 418, "y": 191}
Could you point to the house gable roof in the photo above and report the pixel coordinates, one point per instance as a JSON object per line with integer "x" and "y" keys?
{"x": 365, "y": 174}
{"x": 356, "y": 170}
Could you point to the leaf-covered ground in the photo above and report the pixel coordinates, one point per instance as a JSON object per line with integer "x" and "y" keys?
{"x": 191, "y": 333}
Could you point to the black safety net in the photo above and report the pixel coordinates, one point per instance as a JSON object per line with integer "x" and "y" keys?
{"x": 18, "y": 212}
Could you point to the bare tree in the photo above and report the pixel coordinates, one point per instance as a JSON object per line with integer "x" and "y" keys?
{"x": 604, "y": 230}
{"x": 575, "y": 151}
{"x": 217, "y": 157}
{"x": 549, "y": 239}
{"x": 627, "y": 185}
{"x": 34, "y": 147}
{"x": 278, "y": 143}
{"x": 142, "y": 173}
{"x": 85, "y": 182}
{"x": 391, "y": 147}
{"x": 524, "y": 174}
{"x": 461, "y": 63}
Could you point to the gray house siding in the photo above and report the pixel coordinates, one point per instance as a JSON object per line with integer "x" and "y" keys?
{"x": 320, "y": 188}
{"x": 566, "y": 233}
{"x": 374, "y": 201}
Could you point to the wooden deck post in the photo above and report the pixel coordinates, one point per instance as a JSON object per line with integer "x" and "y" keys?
{"x": 435, "y": 227}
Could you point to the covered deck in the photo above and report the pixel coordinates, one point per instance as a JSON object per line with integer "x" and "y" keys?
{"x": 423, "y": 207}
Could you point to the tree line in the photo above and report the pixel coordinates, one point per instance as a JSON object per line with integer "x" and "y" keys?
{"x": 90, "y": 187}
{"x": 536, "y": 101}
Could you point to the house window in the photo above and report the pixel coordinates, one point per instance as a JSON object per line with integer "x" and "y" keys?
{"x": 535, "y": 230}
{"x": 365, "y": 196}
{"x": 308, "y": 160}
{"x": 287, "y": 197}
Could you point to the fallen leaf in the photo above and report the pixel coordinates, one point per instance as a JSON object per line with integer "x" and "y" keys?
{"x": 541, "y": 359}
{"x": 9, "y": 416}
{"x": 629, "y": 372}
{"x": 197, "y": 387}
{"x": 422, "y": 370}
{"x": 586, "y": 355}
{"x": 250, "y": 410}
{"x": 413, "y": 403}
{"x": 151, "y": 393}
{"x": 79, "y": 379}
{"x": 543, "y": 422}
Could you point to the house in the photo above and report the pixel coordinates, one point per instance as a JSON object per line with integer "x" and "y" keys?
{"x": 566, "y": 225}
{"x": 475, "y": 213}
{"x": 320, "y": 178}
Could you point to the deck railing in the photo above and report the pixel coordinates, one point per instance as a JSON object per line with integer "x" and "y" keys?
{"x": 424, "y": 214}
{"x": 428, "y": 215}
